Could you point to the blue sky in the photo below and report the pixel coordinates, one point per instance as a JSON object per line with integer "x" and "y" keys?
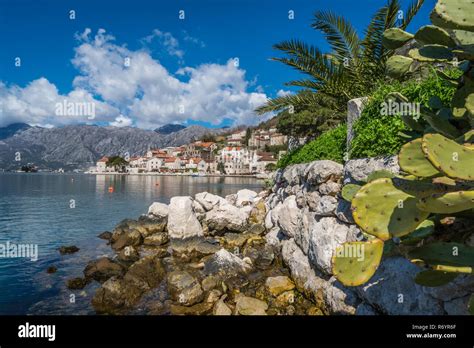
{"x": 191, "y": 55}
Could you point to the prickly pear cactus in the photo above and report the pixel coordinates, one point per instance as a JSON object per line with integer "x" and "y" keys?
{"x": 449, "y": 157}
{"x": 384, "y": 211}
{"x": 354, "y": 263}
{"x": 415, "y": 212}
{"x": 413, "y": 160}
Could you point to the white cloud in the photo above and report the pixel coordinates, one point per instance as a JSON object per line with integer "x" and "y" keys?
{"x": 143, "y": 92}
{"x": 37, "y": 103}
{"x": 282, "y": 93}
{"x": 122, "y": 121}
{"x": 167, "y": 40}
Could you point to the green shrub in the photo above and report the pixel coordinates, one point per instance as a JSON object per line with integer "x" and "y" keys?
{"x": 330, "y": 145}
{"x": 377, "y": 134}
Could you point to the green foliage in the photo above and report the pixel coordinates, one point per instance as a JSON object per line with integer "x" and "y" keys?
{"x": 379, "y": 135}
{"x": 329, "y": 146}
{"x": 439, "y": 160}
{"x": 117, "y": 162}
{"x": 306, "y": 123}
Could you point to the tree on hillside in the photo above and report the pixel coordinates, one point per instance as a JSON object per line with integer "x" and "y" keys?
{"x": 353, "y": 68}
{"x": 117, "y": 162}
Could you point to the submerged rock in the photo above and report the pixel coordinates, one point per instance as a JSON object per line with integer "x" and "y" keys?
{"x": 277, "y": 285}
{"x": 106, "y": 235}
{"x": 51, "y": 269}
{"x": 76, "y": 283}
{"x": 65, "y": 250}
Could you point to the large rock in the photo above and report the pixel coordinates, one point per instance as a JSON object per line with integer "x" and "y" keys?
{"x": 319, "y": 172}
{"x": 227, "y": 217}
{"x": 103, "y": 269}
{"x": 245, "y": 197}
{"x": 326, "y": 206}
{"x": 354, "y": 110}
{"x": 288, "y": 216}
{"x": 357, "y": 170}
{"x": 184, "y": 288}
{"x": 324, "y": 236}
{"x": 226, "y": 264}
{"x": 208, "y": 200}
{"x": 158, "y": 209}
{"x": 146, "y": 273}
{"x": 115, "y": 296}
{"x": 127, "y": 233}
{"x": 302, "y": 234}
{"x": 250, "y": 306}
{"x": 182, "y": 222}
{"x": 294, "y": 175}
{"x": 334, "y": 298}
{"x": 392, "y": 290}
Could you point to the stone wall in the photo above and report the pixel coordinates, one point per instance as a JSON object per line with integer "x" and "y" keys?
{"x": 307, "y": 219}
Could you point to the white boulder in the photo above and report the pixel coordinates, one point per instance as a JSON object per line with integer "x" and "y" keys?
{"x": 182, "y": 222}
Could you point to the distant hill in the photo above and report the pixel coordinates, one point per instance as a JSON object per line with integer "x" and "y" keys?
{"x": 80, "y": 146}
{"x": 169, "y": 128}
{"x": 11, "y": 130}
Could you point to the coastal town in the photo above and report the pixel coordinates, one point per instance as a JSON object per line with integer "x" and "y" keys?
{"x": 242, "y": 152}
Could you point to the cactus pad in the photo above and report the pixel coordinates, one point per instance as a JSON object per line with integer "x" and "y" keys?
{"x": 447, "y": 203}
{"x": 463, "y": 101}
{"x": 354, "y": 263}
{"x": 379, "y": 174}
{"x": 425, "y": 229}
{"x": 384, "y": 211}
{"x": 431, "y": 53}
{"x": 454, "y": 14}
{"x": 394, "y": 38}
{"x": 450, "y": 254}
{"x": 463, "y": 37}
{"x": 449, "y": 157}
{"x": 434, "y": 278}
{"x": 398, "y": 66}
{"x": 412, "y": 160}
{"x": 348, "y": 191}
{"x": 430, "y": 34}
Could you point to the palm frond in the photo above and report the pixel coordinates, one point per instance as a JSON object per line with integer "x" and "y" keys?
{"x": 339, "y": 33}
{"x": 411, "y": 12}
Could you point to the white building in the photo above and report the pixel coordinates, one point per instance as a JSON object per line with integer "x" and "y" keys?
{"x": 154, "y": 164}
{"x": 236, "y": 160}
{"x": 101, "y": 166}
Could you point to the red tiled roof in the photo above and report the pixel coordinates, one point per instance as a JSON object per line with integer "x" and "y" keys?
{"x": 103, "y": 159}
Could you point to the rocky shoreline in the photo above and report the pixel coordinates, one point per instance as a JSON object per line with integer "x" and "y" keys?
{"x": 258, "y": 253}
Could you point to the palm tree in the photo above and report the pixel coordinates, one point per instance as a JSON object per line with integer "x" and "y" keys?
{"x": 353, "y": 68}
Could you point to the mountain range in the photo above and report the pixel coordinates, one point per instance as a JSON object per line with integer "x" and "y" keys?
{"x": 80, "y": 146}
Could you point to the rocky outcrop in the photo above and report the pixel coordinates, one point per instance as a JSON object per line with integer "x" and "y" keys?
{"x": 256, "y": 254}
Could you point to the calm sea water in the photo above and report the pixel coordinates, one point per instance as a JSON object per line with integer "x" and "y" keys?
{"x": 37, "y": 209}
